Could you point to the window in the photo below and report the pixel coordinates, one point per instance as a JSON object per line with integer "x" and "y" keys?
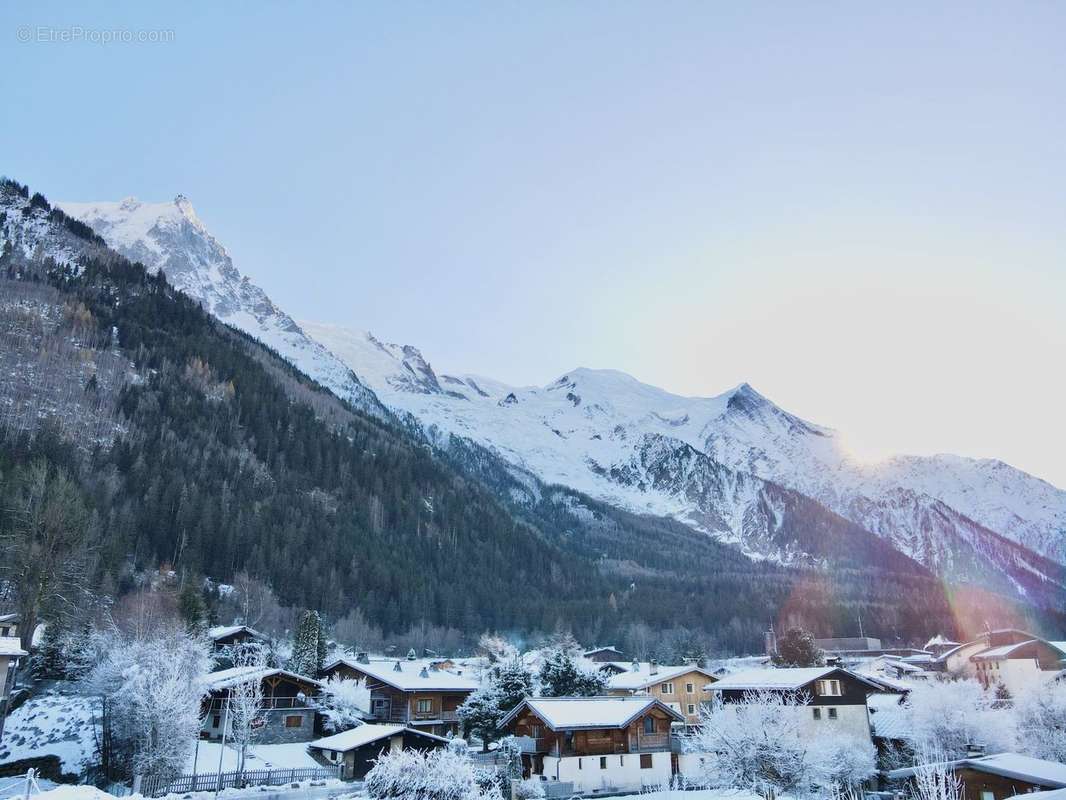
{"x": 817, "y": 713}
{"x": 649, "y": 724}
{"x": 832, "y": 713}
{"x": 690, "y": 688}
{"x": 690, "y": 708}
{"x": 424, "y": 705}
{"x": 667, "y": 688}
{"x": 579, "y": 763}
{"x": 216, "y": 720}
{"x": 645, "y": 760}
{"x": 603, "y": 762}
{"x": 621, "y": 761}
{"x": 294, "y": 721}
{"x": 534, "y": 731}
{"x": 829, "y": 688}
{"x": 987, "y": 795}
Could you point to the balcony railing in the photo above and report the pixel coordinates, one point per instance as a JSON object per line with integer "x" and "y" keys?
{"x": 268, "y": 703}
{"x": 641, "y": 744}
{"x": 405, "y": 715}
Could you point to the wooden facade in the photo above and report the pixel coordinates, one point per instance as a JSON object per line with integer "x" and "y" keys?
{"x": 647, "y": 733}
{"x": 432, "y": 710}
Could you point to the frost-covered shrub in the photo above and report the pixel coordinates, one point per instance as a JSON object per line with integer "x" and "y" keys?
{"x": 529, "y": 789}
{"x": 1040, "y": 716}
{"x": 763, "y": 744}
{"x": 345, "y": 703}
{"x": 946, "y": 717}
{"x": 436, "y": 775}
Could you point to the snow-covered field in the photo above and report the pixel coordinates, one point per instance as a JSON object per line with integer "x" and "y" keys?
{"x": 58, "y": 722}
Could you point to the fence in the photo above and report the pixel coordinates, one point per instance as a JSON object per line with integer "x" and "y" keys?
{"x": 209, "y": 782}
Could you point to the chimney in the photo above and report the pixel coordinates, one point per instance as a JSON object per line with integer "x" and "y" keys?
{"x": 770, "y": 640}
{"x": 411, "y": 655}
{"x": 974, "y": 750}
{"x": 396, "y": 667}
{"x": 653, "y": 667}
{"x": 635, "y": 666}
{"x": 424, "y": 673}
{"x": 362, "y": 658}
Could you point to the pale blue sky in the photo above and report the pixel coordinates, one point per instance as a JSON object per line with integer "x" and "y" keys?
{"x": 860, "y": 210}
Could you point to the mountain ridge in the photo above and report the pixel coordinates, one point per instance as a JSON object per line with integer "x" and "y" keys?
{"x": 600, "y": 431}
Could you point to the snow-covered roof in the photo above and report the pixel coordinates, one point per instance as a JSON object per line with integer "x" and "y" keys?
{"x": 940, "y": 641}
{"x": 639, "y": 675}
{"x": 1050, "y": 794}
{"x": 781, "y": 678}
{"x": 608, "y": 649}
{"x": 10, "y": 617}
{"x": 1007, "y": 765}
{"x": 11, "y": 646}
{"x": 223, "y": 631}
{"x": 234, "y": 676}
{"x": 365, "y": 734}
{"x": 411, "y": 675}
{"x": 567, "y": 713}
{"x": 889, "y": 719}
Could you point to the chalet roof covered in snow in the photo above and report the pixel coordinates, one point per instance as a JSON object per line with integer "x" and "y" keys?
{"x": 569, "y": 713}
{"x": 1008, "y": 765}
{"x": 639, "y": 675}
{"x": 225, "y": 631}
{"x": 366, "y": 734}
{"x": 889, "y": 719}
{"x": 235, "y": 676}
{"x": 11, "y": 646}
{"x": 782, "y": 678}
{"x": 411, "y": 675}
{"x": 608, "y": 649}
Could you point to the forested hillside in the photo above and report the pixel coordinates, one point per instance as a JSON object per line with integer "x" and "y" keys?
{"x": 194, "y": 448}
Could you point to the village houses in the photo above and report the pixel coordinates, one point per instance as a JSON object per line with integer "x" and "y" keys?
{"x": 683, "y": 688}
{"x": 419, "y": 693}
{"x": 287, "y": 712}
{"x": 595, "y": 743}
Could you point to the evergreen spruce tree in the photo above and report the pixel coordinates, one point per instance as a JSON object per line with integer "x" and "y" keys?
{"x": 514, "y": 683}
{"x": 480, "y": 713}
{"x": 49, "y": 660}
{"x": 797, "y": 649}
{"x": 560, "y": 676}
{"x": 308, "y": 652}
{"x": 192, "y": 608}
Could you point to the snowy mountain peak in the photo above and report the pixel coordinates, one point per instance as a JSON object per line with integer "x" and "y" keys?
{"x": 170, "y": 237}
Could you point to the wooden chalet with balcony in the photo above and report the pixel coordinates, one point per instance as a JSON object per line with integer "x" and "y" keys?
{"x": 287, "y": 712}
{"x": 419, "y": 693}
{"x": 596, "y": 743}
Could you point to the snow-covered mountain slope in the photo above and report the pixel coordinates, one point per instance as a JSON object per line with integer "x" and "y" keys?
{"x": 170, "y": 237}
{"x": 717, "y": 463}
{"x": 705, "y": 460}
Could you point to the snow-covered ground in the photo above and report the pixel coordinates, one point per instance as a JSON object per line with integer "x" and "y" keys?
{"x": 306, "y": 790}
{"x": 57, "y": 722}
{"x": 260, "y": 756}
{"x": 693, "y": 794}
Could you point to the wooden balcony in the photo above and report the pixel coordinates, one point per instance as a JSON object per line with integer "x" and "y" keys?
{"x": 268, "y": 703}
{"x": 404, "y": 716}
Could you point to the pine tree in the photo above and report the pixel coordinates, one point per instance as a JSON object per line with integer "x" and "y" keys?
{"x": 560, "y": 676}
{"x": 797, "y": 649}
{"x": 308, "y": 646}
{"x": 192, "y": 608}
{"x": 514, "y": 683}
{"x": 480, "y": 713}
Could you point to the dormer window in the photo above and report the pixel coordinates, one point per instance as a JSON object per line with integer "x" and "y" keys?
{"x": 828, "y": 688}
